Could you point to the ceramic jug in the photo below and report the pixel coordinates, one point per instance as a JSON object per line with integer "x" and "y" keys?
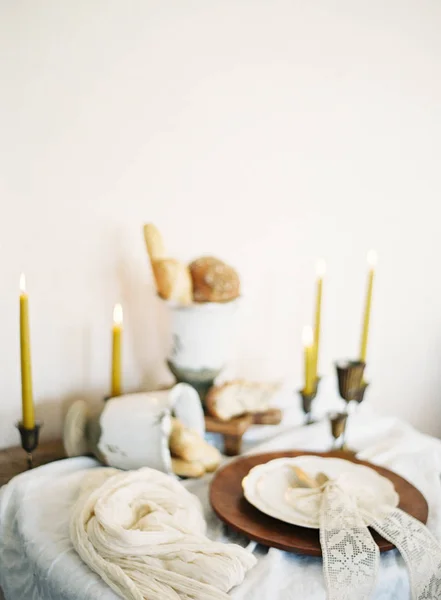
{"x": 132, "y": 431}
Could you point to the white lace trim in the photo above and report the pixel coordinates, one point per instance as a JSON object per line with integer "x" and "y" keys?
{"x": 419, "y": 549}
{"x": 351, "y": 557}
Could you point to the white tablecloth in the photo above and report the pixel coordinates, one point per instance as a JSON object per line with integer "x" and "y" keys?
{"x": 37, "y": 561}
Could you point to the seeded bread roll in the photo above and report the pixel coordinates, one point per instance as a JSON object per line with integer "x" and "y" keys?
{"x": 238, "y": 397}
{"x": 213, "y": 280}
{"x": 173, "y": 281}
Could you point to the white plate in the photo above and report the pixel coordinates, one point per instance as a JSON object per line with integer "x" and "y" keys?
{"x": 269, "y": 487}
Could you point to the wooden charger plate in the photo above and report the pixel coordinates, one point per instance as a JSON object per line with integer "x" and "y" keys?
{"x": 230, "y": 505}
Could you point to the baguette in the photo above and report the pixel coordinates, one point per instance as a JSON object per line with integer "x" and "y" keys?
{"x": 173, "y": 281}
{"x": 154, "y": 242}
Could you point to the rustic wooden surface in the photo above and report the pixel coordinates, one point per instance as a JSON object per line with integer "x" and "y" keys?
{"x": 234, "y": 429}
{"x": 236, "y": 426}
{"x": 273, "y": 416}
{"x": 229, "y": 504}
{"x": 13, "y": 461}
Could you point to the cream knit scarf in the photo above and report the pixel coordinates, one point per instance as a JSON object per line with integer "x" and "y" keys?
{"x": 144, "y": 534}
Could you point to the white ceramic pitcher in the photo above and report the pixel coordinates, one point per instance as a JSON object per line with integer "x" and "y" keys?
{"x": 132, "y": 431}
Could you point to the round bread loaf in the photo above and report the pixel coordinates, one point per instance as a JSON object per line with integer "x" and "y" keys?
{"x": 213, "y": 280}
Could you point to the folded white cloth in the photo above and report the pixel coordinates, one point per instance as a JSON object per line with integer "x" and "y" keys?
{"x": 144, "y": 534}
{"x": 38, "y": 561}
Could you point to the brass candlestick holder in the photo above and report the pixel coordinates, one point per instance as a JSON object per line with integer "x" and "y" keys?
{"x": 29, "y": 440}
{"x": 359, "y": 397}
{"x": 338, "y": 428}
{"x": 350, "y": 379}
{"x": 351, "y": 384}
{"x": 307, "y": 400}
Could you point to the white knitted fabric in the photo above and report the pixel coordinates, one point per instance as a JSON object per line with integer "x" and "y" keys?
{"x": 144, "y": 534}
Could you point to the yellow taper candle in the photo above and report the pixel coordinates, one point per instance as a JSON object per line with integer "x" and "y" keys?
{"x": 321, "y": 269}
{"x": 116, "y": 350}
{"x": 28, "y": 418}
{"x": 372, "y": 261}
{"x": 308, "y": 348}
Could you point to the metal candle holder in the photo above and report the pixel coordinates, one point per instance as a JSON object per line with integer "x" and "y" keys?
{"x": 307, "y": 400}
{"x": 350, "y": 379}
{"x": 338, "y": 427}
{"x": 29, "y": 440}
{"x": 351, "y": 384}
{"x": 359, "y": 397}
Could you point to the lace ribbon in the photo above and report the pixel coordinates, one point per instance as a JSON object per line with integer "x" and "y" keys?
{"x": 419, "y": 549}
{"x": 351, "y": 557}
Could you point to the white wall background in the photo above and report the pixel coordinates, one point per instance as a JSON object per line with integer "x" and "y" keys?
{"x": 266, "y": 132}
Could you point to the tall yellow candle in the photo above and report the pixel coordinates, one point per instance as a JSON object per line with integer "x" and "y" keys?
{"x": 28, "y": 413}
{"x": 321, "y": 269}
{"x": 372, "y": 261}
{"x": 308, "y": 348}
{"x": 116, "y": 350}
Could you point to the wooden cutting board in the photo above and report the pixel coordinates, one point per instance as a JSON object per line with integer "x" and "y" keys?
{"x": 230, "y": 505}
{"x": 234, "y": 429}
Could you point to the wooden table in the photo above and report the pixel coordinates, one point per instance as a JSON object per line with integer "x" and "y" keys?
{"x": 13, "y": 460}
